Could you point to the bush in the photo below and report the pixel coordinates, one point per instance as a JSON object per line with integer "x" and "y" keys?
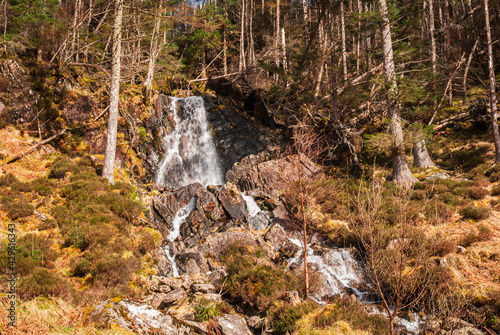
{"x": 41, "y": 282}
{"x": 353, "y": 313}
{"x": 19, "y": 209}
{"x": 255, "y": 286}
{"x": 476, "y": 213}
{"x": 8, "y": 179}
{"x": 284, "y": 317}
{"x": 437, "y": 212}
{"x": 63, "y": 165}
{"x": 477, "y": 193}
{"x": 43, "y": 186}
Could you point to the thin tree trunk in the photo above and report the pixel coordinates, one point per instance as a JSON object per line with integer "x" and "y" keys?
{"x": 433, "y": 40}
{"x": 344, "y": 52}
{"x": 358, "y": 43}
{"x": 277, "y": 51}
{"x": 401, "y": 174}
{"x": 467, "y": 65}
{"x": 87, "y": 31}
{"x": 4, "y": 14}
{"x": 114, "y": 91}
{"x": 493, "y": 97}
{"x": 304, "y": 226}
{"x": 153, "y": 50}
{"x": 242, "y": 64}
{"x": 224, "y": 46}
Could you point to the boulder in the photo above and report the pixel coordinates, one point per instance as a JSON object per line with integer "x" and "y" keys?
{"x": 276, "y": 235}
{"x": 233, "y": 202}
{"x": 185, "y": 193}
{"x": 203, "y": 288}
{"x": 233, "y": 324}
{"x": 255, "y": 322}
{"x": 135, "y": 317}
{"x": 173, "y": 296}
{"x": 192, "y": 263}
{"x": 260, "y": 221}
{"x": 256, "y": 172}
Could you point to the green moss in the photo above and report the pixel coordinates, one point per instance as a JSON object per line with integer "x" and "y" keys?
{"x": 284, "y": 318}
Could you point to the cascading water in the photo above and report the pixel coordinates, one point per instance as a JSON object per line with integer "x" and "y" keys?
{"x": 190, "y": 154}
{"x": 179, "y": 218}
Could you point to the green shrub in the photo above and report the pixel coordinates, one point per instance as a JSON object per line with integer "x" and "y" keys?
{"x": 19, "y": 209}
{"x": 284, "y": 318}
{"x": 34, "y": 250}
{"x": 206, "y": 311}
{"x": 43, "y": 186}
{"x": 477, "y": 193}
{"x": 354, "y": 313}
{"x": 21, "y": 187}
{"x": 437, "y": 212}
{"x": 41, "y": 282}
{"x": 252, "y": 284}
{"x": 476, "y": 213}
{"x": 63, "y": 165}
{"x": 8, "y": 179}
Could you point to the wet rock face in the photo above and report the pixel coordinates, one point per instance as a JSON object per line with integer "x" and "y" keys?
{"x": 235, "y": 135}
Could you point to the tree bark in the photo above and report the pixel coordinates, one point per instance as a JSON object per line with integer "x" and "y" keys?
{"x": 344, "y": 52}
{"x": 242, "y": 64}
{"x": 114, "y": 91}
{"x": 153, "y": 51}
{"x": 467, "y": 66}
{"x": 493, "y": 97}
{"x": 401, "y": 174}
{"x": 433, "y": 40}
{"x": 421, "y": 156}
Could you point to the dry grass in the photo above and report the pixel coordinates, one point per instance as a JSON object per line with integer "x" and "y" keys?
{"x": 28, "y": 168}
{"x": 47, "y": 316}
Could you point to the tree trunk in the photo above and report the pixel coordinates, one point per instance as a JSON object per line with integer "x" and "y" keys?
{"x": 153, "y": 51}
{"x": 401, "y": 174}
{"x": 344, "y": 52}
{"x": 421, "y": 156}
{"x": 493, "y": 97}
{"x": 467, "y": 65}
{"x": 433, "y": 40}
{"x": 242, "y": 64}
{"x": 114, "y": 91}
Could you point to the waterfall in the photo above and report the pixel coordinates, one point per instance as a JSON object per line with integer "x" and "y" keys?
{"x": 190, "y": 154}
{"x": 180, "y": 217}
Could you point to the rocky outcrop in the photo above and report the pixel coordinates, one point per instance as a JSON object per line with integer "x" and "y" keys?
{"x": 267, "y": 174}
{"x": 135, "y": 317}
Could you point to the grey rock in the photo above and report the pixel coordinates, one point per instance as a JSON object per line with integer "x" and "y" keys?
{"x": 233, "y": 202}
{"x": 185, "y": 193}
{"x": 173, "y": 296}
{"x": 460, "y": 249}
{"x": 135, "y": 317}
{"x": 203, "y": 288}
{"x": 197, "y": 327}
{"x": 214, "y": 245}
{"x": 260, "y": 221}
{"x": 255, "y": 322}
{"x": 192, "y": 263}
{"x": 233, "y": 324}
{"x": 292, "y": 297}
{"x": 212, "y": 297}
{"x": 276, "y": 235}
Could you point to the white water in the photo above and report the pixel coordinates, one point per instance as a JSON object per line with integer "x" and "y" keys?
{"x": 252, "y": 207}
{"x": 338, "y": 267}
{"x": 179, "y": 218}
{"x": 190, "y": 154}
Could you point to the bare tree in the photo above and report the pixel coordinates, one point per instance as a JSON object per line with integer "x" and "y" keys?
{"x": 493, "y": 97}
{"x": 306, "y": 144}
{"x": 114, "y": 92}
{"x": 393, "y": 255}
